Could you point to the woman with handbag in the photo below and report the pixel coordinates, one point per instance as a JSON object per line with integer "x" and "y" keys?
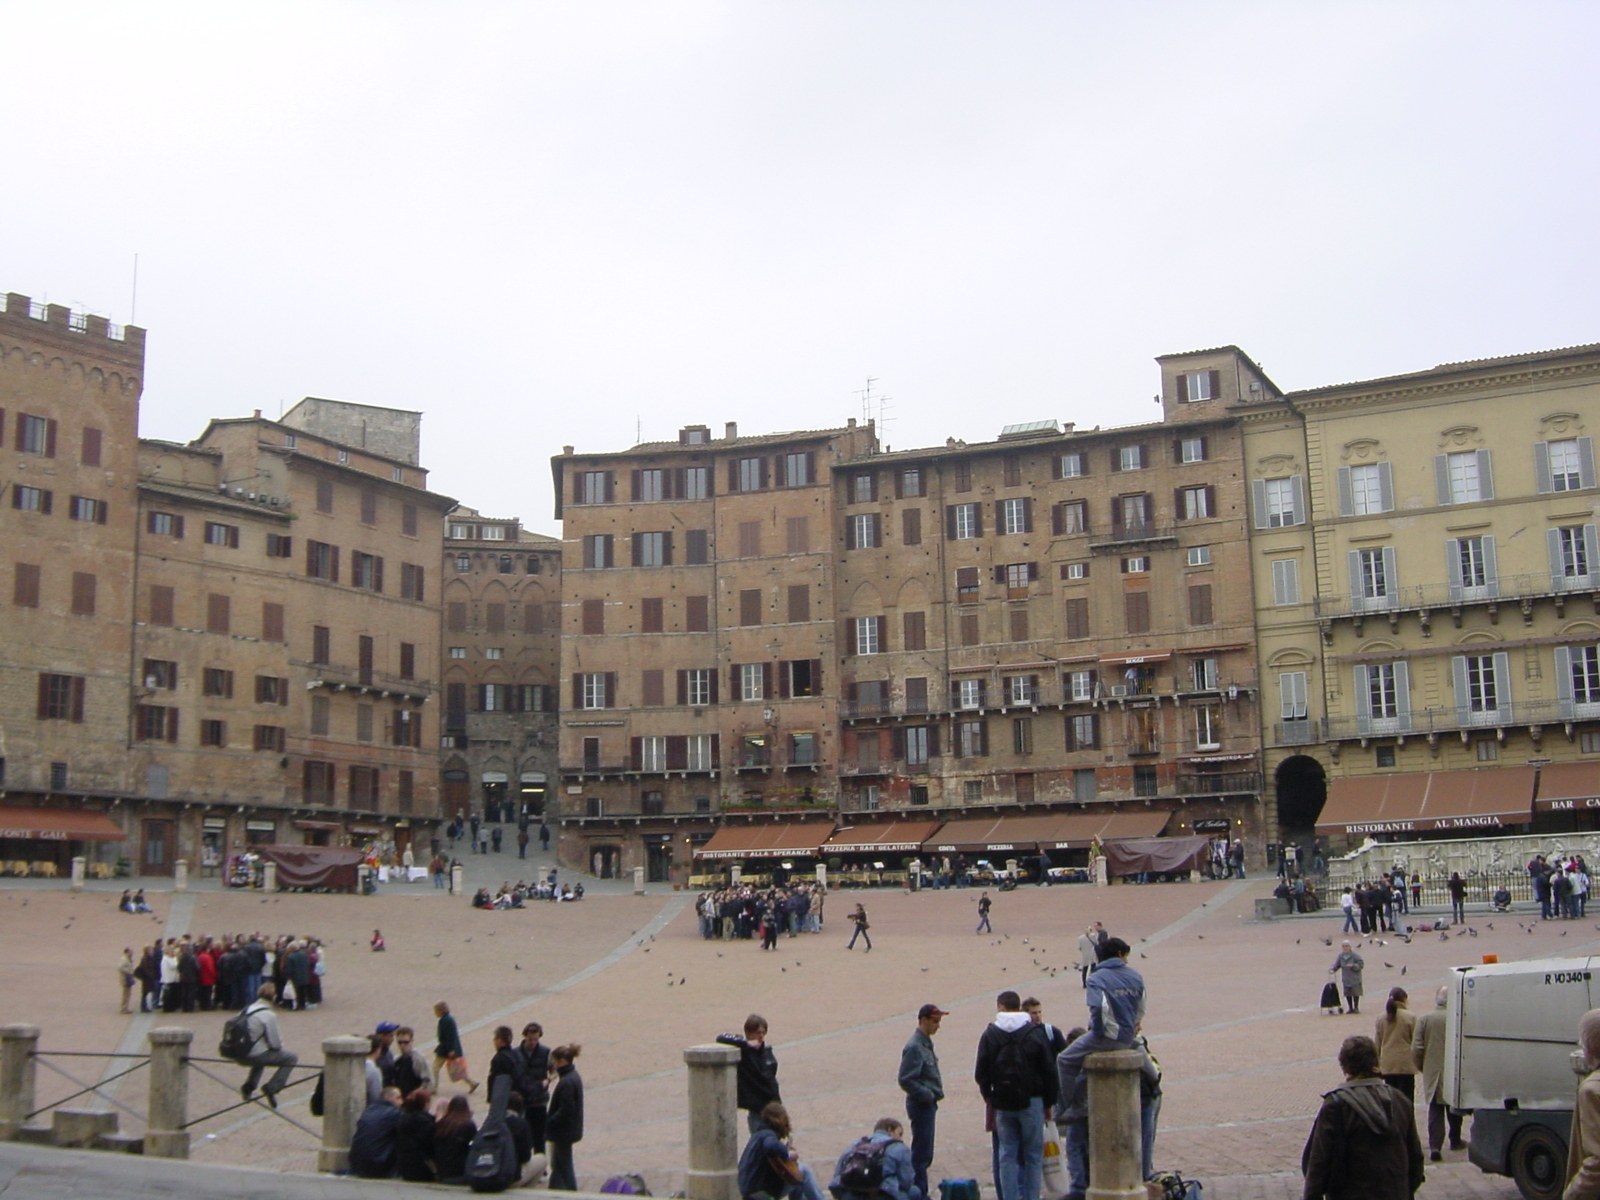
{"x": 770, "y": 1167}
{"x": 563, "y": 1125}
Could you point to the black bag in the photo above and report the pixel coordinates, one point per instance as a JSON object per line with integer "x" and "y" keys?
{"x": 1008, "y": 1084}
{"x": 492, "y": 1164}
{"x": 1330, "y": 995}
{"x": 319, "y": 1098}
{"x": 236, "y": 1038}
{"x": 1175, "y": 1186}
{"x": 862, "y": 1169}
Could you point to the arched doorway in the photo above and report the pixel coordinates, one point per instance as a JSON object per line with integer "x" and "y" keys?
{"x": 1302, "y": 790}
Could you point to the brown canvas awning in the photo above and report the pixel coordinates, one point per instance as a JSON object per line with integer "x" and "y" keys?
{"x": 1482, "y": 799}
{"x": 891, "y": 836}
{"x": 1132, "y": 856}
{"x": 1566, "y": 787}
{"x": 58, "y": 825}
{"x": 767, "y": 841}
{"x": 314, "y": 866}
{"x": 985, "y": 835}
{"x": 1148, "y": 823}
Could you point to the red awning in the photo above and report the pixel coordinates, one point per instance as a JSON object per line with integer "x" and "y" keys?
{"x": 890, "y": 836}
{"x": 1568, "y": 786}
{"x": 779, "y": 840}
{"x": 58, "y": 825}
{"x": 1486, "y": 798}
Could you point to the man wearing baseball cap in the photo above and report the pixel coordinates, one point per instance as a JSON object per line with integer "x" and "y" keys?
{"x": 385, "y": 1057}
{"x": 920, "y": 1080}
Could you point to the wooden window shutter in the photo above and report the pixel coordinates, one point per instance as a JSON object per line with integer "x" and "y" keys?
{"x": 177, "y": 527}
{"x": 634, "y": 756}
{"x": 897, "y": 743}
{"x": 1000, "y": 574}
{"x": 611, "y": 486}
{"x": 311, "y": 551}
{"x": 1216, "y": 384}
{"x": 611, "y": 689}
{"x": 850, "y": 693}
{"x": 91, "y": 444}
{"x": 636, "y": 496}
{"x": 733, "y": 682}
{"x": 849, "y": 636}
{"x": 816, "y": 677}
{"x": 1027, "y": 514}
{"x": 377, "y": 574}
{"x": 3, "y": 428}
{"x": 977, "y": 520}
{"x": 333, "y": 559}
{"x": 577, "y": 689}
{"x": 78, "y": 684}
{"x": 784, "y": 672}
{"x": 1183, "y": 388}
{"x": 50, "y": 438}
{"x": 1058, "y": 520}
{"x": 43, "y": 709}
{"x": 1033, "y": 571}
{"x": 950, "y": 522}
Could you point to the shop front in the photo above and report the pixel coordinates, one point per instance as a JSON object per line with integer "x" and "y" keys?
{"x": 1436, "y": 804}
{"x": 1568, "y": 799}
{"x": 760, "y": 854}
{"x": 318, "y": 833}
{"x": 877, "y": 854}
{"x": 44, "y": 841}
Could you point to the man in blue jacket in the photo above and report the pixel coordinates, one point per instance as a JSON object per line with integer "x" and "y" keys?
{"x": 924, "y": 1088}
{"x": 1116, "y": 1010}
{"x": 893, "y": 1166}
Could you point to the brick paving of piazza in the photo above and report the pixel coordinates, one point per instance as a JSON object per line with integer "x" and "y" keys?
{"x": 1231, "y": 1006}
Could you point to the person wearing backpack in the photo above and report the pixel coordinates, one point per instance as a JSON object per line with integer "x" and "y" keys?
{"x": 877, "y": 1165}
{"x": 1015, "y": 1075}
{"x": 770, "y": 1167}
{"x": 266, "y": 1047}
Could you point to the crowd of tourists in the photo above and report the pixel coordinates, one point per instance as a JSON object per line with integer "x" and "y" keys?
{"x": 200, "y": 973}
{"x": 746, "y": 912}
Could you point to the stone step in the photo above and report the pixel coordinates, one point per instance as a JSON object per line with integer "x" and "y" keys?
{"x": 77, "y": 1128}
{"x": 121, "y": 1143}
{"x": 36, "y": 1134}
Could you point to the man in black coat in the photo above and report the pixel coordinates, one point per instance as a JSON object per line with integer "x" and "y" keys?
{"x": 534, "y": 1057}
{"x": 1016, "y": 1075}
{"x": 372, "y": 1146}
{"x": 758, "y": 1069}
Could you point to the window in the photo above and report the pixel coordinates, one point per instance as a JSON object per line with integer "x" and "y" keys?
{"x": 1203, "y": 673}
{"x": 269, "y": 738}
{"x": 916, "y": 745}
{"x": 969, "y": 629}
{"x": 597, "y": 550}
{"x": 1366, "y": 488}
{"x": 797, "y": 535}
{"x": 162, "y": 601}
{"x": 458, "y": 651}
{"x": 799, "y": 596}
{"x": 213, "y": 733}
{"x": 962, "y": 476}
{"x": 366, "y": 571}
{"x": 696, "y": 687}
{"x": 914, "y": 631}
{"x": 1081, "y": 685}
{"x": 1372, "y": 578}
{"x": 1130, "y": 515}
{"x": 1296, "y": 727}
{"x": 1566, "y": 465}
{"x": 1146, "y": 781}
{"x": 1072, "y": 516}
{"x": 862, "y": 532}
{"x": 1022, "y": 735}
{"x": 1077, "y": 570}
{"x": 1016, "y": 516}
{"x": 696, "y": 547}
{"x": 160, "y": 674}
{"x": 912, "y": 482}
{"x": 696, "y": 483}
{"x": 25, "y": 586}
{"x": 464, "y": 563}
{"x": 1136, "y": 564}
{"x": 324, "y": 495}
{"x": 1196, "y": 387}
{"x": 1136, "y": 612}
{"x": 61, "y": 698}
{"x": 1128, "y": 458}
{"x": 1200, "y": 612}
{"x": 455, "y": 616}
{"x": 1574, "y": 555}
{"x": 344, "y": 458}
{"x": 460, "y": 531}
{"x": 800, "y": 677}
{"x": 1196, "y": 503}
{"x": 753, "y": 750}
{"x": 749, "y": 474}
{"x": 651, "y": 614}
{"x": 1076, "y": 618}
{"x": 1017, "y": 576}
{"x": 1488, "y": 749}
{"x": 1071, "y": 466}
{"x": 594, "y": 689}
{"x": 1084, "y": 784}
{"x": 494, "y": 653}
{"x": 503, "y": 564}
{"x": 867, "y": 634}
{"x": 1199, "y": 556}
{"x": 1463, "y": 476}
{"x": 1383, "y": 698}
{"x": 82, "y": 508}
{"x": 652, "y": 753}
{"x": 90, "y": 451}
{"x": 1021, "y": 689}
{"x": 411, "y": 581}
{"x": 1083, "y": 731}
{"x": 967, "y": 583}
{"x": 911, "y": 526}
{"x": 1017, "y": 624}
{"x": 1191, "y": 450}
{"x": 84, "y": 589}
{"x": 700, "y": 752}
{"x": 31, "y": 499}
{"x": 969, "y": 693}
{"x": 271, "y": 689}
{"x": 1482, "y": 687}
{"x": 752, "y": 680}
{"x": 964, "y": 522}
{"x": 972, "y": 738}
{"x": 1278, "y": 502}
{"x": 1285, "y": 581}
{"x": 650, "y": 484}
{"x": 750, "y": 606}
{"x": 279, "y": 545}
{"x": 216, "y": 681}
{"x": 363, "y": 784}
{"x": 321, "y": 644}
{"x": 1383, "y": 756}
{"x": 36, "y": 435}
{"x": 1010, "y": 470}
{"x": 1470, "y": 563}
{"x": 652, "y": 549}
{"x": 533, "y": 565}
{"x": 156, "y": 723}
{"x": 1578, "y": 680}
{"x": 595, "y": 487}
{"x": 916, "y": 691}
{"x": 697, "y": 614}
{"x": 749, "y": 539}
{"x": 408, "y": 518}
{"x": 863, "y": 487}
{"x": 322, "y": 561}
{"x": 593, "y": 619}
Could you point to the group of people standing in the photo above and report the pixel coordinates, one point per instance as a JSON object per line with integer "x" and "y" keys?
{"x": 188, "y": 974}
{"x": 747, "y": 912}
{"x": 1561, "y": 887}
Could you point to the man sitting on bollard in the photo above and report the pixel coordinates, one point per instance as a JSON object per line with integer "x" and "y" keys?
{"x": 1116, "y": 1008}
{"x": 266, "y": 1047}
{"x": 377, "y": 1135}
{"x": 877, "y": 1165}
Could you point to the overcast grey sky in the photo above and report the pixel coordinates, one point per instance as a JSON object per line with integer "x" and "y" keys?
{"x": 564, "y": 223}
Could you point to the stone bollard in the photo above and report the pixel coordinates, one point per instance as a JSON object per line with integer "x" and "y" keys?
{"x": 344, "y": 1095}
{"x": 165, "y": 1135}
{"x": 638, "y": 881}
{"x": 180, "y": 875}
{"x": 738, "y": 874}
{"x": 1116, "y": 1146}
{"x": 77, "y": 873}
{"x": 269, "y": 877}
{"x": 18, "y": 1069}
{"x": 1100, "y": 876}
{"x": 822, "y": 875}
{"x": 713, "y": 1123}
{"x": 456, "y": 888}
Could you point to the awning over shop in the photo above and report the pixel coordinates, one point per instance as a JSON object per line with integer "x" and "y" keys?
{"x": 1566, "y": 787}
{"x": 1134, "y": 660}
{"x": 1132, "y": 856}
{"x": 1137, "y": 824}
{"x": 314, "y": 866}
{"x": 779, "y": 840}
{"x": 987, "y": 835}
{"x": 59, "y": 825}
{"x": 887, "y": 837}
{"x": 1483, "y": 799}
{"x": 324, "y": 825}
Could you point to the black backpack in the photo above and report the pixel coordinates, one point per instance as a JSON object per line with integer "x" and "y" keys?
{"x": 492, "y": 1164}
{"x": 236, "y": 1037}
{"x": 862, "y": 1169}
{"x": 1008, "y": 1082}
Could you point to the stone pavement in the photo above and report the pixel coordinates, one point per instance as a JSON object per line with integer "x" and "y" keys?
{"x": 1232, "y": 1011}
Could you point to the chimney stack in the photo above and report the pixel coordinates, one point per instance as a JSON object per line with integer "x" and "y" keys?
{"x": 731, "y": 430}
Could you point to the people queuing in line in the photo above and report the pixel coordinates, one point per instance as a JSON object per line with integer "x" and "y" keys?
{"x": 200, "y": 973}
{"x": 747, "y": 912}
